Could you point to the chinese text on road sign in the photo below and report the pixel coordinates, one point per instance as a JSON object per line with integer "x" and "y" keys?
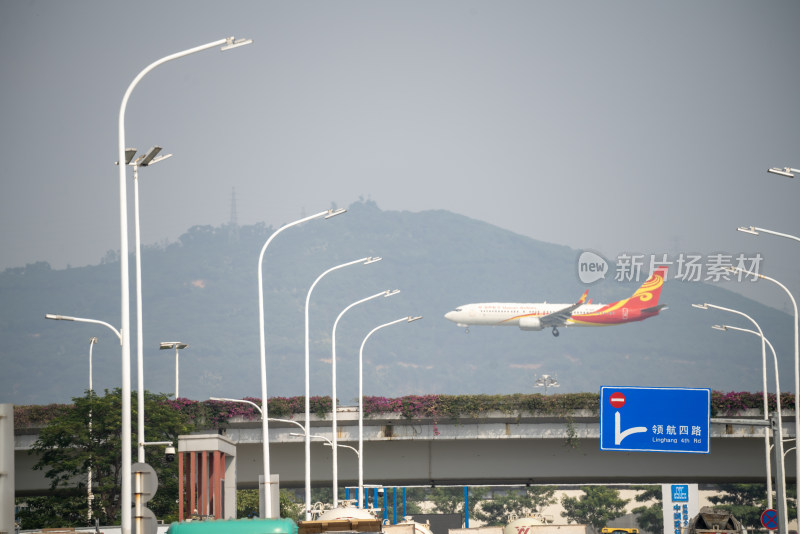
{"x": 654, "y": 419}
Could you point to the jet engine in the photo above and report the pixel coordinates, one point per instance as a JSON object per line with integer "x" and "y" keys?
{"x": 530, "y": 323}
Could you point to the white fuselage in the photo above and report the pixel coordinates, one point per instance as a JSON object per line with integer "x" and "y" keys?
{"x": 509, "y": 313}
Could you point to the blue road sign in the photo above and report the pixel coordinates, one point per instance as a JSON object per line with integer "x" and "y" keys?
{"x": 769, "y": 518}
{"x": 655, "y": 419}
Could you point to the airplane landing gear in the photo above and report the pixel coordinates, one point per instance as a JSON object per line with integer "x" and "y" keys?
{"x": 555, "y": 332}
{"x": 466, "y": 330}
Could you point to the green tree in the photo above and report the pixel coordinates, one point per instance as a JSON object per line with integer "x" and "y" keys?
{"x": 597, "y": 506}
{"x": 70, "y": 445}
{"x": 51, "y": 511}
{"x": 451, "y": 500}
{"x": 744, "y": 501}
{"x": 247, "y": 503}
{"x": 650, "y": 518}
{"x": 497, "y": 511}
{"x": 291, "y": 508}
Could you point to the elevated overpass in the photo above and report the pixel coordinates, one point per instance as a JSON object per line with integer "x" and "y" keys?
{"x": 492, "y": 449}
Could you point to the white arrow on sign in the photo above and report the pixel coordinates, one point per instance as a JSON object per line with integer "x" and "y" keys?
{"x": 619, "y": 435}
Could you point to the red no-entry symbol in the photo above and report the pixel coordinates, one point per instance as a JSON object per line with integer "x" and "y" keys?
{"x": 769, "y": 518}
{"x": 617, "y": 400}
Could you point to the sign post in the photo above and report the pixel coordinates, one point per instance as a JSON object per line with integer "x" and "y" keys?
{"x": 655, "y": 419}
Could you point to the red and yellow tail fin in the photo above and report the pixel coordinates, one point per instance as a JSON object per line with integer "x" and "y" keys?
{"x": 647, "y": 295}
{"x": 582, "y": 300}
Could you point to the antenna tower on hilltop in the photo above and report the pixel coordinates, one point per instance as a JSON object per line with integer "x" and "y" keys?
{"x": 233, "y": 223}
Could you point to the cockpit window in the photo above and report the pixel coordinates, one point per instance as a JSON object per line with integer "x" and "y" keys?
{"x": 458, "y": 309}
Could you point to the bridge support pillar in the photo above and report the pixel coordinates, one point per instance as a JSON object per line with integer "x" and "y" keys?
{"x": 212, "y": 490}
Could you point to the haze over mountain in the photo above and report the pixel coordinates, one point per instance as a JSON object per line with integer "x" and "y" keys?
{"x": 202, "y": 290}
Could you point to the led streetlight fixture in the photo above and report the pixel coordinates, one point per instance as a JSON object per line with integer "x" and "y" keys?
{"x": 172, "y": 345}
{"x": 231, "y": 43}
{"x": 748, "y": 230}
{"x": 334, "y": 213}
{"x": 785, "y": 171}
{"x": 150, "y": 157}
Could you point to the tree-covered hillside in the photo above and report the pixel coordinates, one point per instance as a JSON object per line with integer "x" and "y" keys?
{"x": 202, "y": 290}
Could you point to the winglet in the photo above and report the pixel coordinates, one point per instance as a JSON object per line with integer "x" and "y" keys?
{"x": 583, "y": 297}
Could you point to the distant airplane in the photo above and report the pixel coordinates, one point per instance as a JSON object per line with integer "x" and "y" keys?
{"x": 538, "y": 316}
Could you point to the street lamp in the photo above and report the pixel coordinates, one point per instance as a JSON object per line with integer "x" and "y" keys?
{"x": 177, "y": 345}
{"x": 785, "y": 171}
{"x": 334, "y": 448}
{"x": 782, "y": 510}
{"x": 125, "y": 493}
{"x": 145, "y": 160}
{"x": 328, "y": 441}
{"x": 327, "y": 214}
{"x": 754, "y": 230}
{"x": 365, "y": 261}
{"x": 796, "y": 342}
{"x": 82, "y": 320}
{"x": 257, "y": 407}
{"x": 408, "y": 319}
{"x": 92, "y": 342}
{"x": 546, "y": 381}
{"x": 764, "y": 375}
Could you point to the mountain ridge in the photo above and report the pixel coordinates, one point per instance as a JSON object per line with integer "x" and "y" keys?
{"x": 202, "y": 290}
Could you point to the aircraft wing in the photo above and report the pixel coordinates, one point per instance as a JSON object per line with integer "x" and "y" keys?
{"x": 559, "y": 318}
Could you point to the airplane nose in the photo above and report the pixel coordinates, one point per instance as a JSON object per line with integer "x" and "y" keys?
{"x": 449, "y": 315}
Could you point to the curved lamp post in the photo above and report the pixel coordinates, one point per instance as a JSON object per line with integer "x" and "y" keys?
{"x": 92, "y": 342}
{"x": 408, "y": 319}
{"x": 125, "y": 494}
{"x": 327, "y": 214}
{"x": 796, "y": 342}
{"x": 782, "y": 479}
{"x": 764, "y": 373}
{"x": 82, "y": 320}
{"x": 257, "y": 407}
{"x": 334, "y": 445}
{"x": 365, "y": 261}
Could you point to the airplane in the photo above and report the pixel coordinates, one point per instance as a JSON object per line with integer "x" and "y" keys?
{"x": 538, "y": 316}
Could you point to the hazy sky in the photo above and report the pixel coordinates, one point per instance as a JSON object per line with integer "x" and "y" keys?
{"x": 638, "y": 127}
